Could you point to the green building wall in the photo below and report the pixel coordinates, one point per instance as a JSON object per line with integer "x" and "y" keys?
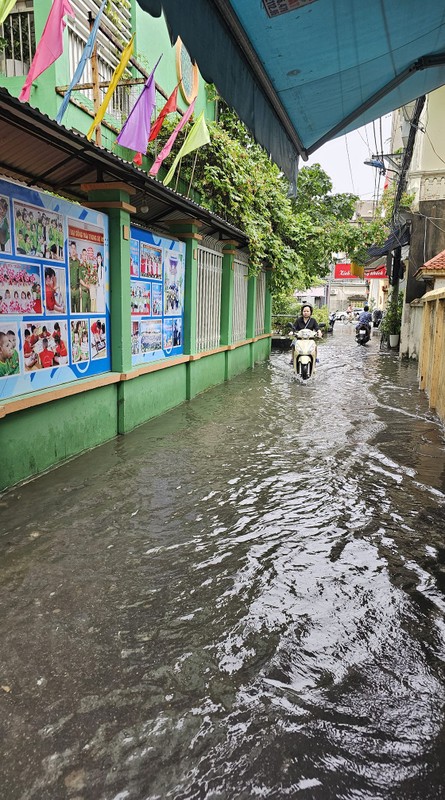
{"x": 39, "y": 431}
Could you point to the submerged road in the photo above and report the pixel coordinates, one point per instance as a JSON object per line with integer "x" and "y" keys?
{"x": 241, "y": 599}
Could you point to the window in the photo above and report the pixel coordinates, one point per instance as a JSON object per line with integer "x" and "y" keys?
{"x": 19, "y": 43}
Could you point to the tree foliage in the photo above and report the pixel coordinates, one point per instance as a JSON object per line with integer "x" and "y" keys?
{"x": 237, "y": 180}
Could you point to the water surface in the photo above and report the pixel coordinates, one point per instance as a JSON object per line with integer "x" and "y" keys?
{"x": 243, "y": 598}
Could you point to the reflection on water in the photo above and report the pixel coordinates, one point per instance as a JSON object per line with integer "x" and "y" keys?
{"x": 243, "y": 598}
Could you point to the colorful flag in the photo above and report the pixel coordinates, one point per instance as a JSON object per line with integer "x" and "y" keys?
{"x": 81, "y": 65}
{"x": 198, "y": 137}
{"x": 170, "y": 142}
{"x": 117, "y": 74}
{"x": 136, "y": 129}
{"x": 50, "y": 46}
{"x": 169, "y": 107}
{"x": 5, "y": 8}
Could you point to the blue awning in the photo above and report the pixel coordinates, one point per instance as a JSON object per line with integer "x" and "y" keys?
{"x": 301, "y": 72}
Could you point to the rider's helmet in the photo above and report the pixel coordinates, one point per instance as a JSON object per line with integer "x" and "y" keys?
{"x": 366, "y": 308}
{"x": 306, "y": 305}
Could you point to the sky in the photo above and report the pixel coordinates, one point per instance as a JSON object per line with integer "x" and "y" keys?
{"x": 343, "y": 159}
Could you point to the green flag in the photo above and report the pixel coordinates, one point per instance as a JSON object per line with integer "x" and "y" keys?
{"x": 5, "y": 8}
{"x": 198, "y": 137}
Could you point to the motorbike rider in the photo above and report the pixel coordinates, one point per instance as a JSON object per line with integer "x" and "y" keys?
{"x": 306, "y": 321}
{"x": 364, "y": 318}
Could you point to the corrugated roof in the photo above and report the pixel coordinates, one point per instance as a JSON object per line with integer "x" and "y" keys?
{"x": 39, "y": 152}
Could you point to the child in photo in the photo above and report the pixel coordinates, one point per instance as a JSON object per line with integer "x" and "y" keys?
{"x": 46, "y": 355}
{"x": 52, "y": 296}
{"x": 60, "y": 351}
{"x": 9, "y": 358}
{"x": 84, "y": 349}
{"x": 29, "y": 355}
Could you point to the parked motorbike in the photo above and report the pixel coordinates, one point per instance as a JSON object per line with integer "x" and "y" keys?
{"x": 304, "y": 352}
{"x": 362, "y": 333}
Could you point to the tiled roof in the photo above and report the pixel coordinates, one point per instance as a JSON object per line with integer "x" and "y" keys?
{"x": 436, "y": 263}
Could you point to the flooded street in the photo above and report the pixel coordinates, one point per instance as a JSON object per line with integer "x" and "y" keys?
{"x": 241, "y": 599}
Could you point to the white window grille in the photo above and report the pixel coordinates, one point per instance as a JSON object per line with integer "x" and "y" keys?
{"x": 108, "y": 56}
{"x": 20, "y": 42}
{"x": 260, "y": 303}
{"x": 208, "y": 305}
{"x": 239, "y": 310}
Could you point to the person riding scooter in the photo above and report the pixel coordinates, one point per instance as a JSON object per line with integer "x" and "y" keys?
{"x": 306, "y": 322}
{"x": 364, "y": 323}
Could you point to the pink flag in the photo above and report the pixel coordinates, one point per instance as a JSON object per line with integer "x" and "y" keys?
{"x": 50, "y": 46}
{"x": 136, "y": 129}
{"x": 170, "y": 142}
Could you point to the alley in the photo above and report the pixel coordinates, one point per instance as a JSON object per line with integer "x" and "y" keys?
{"x": 242, "y": 598}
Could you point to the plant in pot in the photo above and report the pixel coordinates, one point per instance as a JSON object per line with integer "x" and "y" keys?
{"x": 392, "y": 319}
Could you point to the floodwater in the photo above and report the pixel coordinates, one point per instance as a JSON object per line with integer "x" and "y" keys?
{"x": 241, "y": 599}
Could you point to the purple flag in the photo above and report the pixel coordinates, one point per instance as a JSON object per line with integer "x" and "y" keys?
{"x": 136, "y": 130}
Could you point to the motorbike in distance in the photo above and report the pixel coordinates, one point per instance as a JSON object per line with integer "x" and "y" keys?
{"x": 362, "y": 333}
{"x": 304, "y": 352}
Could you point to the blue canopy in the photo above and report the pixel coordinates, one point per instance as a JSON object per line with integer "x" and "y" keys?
{"x": 301, "y": 72}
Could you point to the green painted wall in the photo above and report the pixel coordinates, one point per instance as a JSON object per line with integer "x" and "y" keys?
{"x": 238, "y": 360}
{"x": 33, "y": 440}
{"x": 150, "y": 395}
{"x": 206, "y": 372}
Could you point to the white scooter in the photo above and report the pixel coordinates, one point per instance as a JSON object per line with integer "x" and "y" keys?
{"x": 304, "y": 353}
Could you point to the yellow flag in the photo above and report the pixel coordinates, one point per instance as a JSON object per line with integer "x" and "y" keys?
{"x": 117, "y": 74}
{"x": 198, "y": 136}
{"x": 5, "y": 7}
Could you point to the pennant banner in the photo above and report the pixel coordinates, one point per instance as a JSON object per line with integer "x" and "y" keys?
{"x": 81, "y": 65}
{"x": 5, "y": 7}
{"x": 170, "y": 106}
{"x": 170, "y": 142}
{"x": 117, "y": 74}
{"x": 198, "y": 137}
{"x": 50, "y": 46}
{"x": 136, "y": 129}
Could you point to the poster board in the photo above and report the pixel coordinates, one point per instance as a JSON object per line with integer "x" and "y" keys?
{"x": 54, "y": 291}
{"x": 157, "y": 273}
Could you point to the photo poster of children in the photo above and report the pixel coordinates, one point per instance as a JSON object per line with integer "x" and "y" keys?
{"x": 98, "y": 333}
{"x": 172, "y": 333}
{"x": 156, "y": 299}
{"x": 151, "y": 261}
{"x": 5, "y": 225}
{"x": 135, "y": 338}
{"x": 80, "y": 340}
{"x": 35, "y": 290}
{"x": 9, "y": 354}
{"x": 87, "y": 269}
{"x": 38, "y": 232}
{"x": 44, "y": 346}
{"x": 20, "y": 289}
{"x": 150, "y": 335}
{"x": 140, "y": 298}
{"x": 173, "y": 282}
{"x": 134, "y": 258}
{"x": 156, "y": 330}
{"x": 55, "y": 289}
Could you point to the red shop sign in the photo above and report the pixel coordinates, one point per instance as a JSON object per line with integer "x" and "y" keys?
{"x": 379, "y": 273}
{"x": 342, "y": 272}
